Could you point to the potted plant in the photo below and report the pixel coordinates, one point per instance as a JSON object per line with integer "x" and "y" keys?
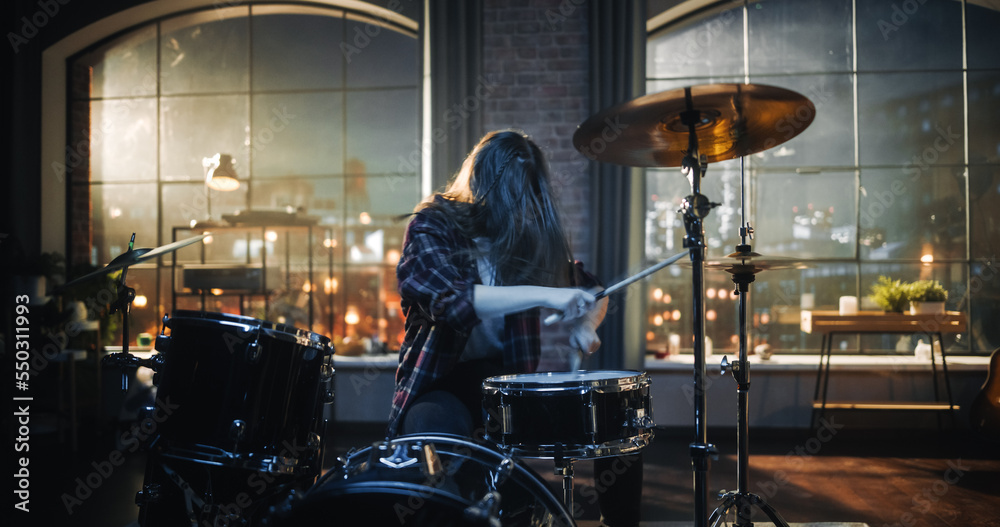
{"x": 926, "y": 297}
{"x": 890, "y": 295}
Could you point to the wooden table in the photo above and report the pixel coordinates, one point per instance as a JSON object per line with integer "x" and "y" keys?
{"x": 830, "y": 323}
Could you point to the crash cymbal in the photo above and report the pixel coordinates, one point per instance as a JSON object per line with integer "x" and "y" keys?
{"x": 133, "y": 257}
{"x": 730, "y": 121}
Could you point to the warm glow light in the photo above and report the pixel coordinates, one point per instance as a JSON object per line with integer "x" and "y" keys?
{"x": 765, "y": 318}
{"x": 329, "y": 243}
{"x": 329, "y": 285}
{"x": 657, "y": 294}
{"x": 140, "y": 301}
{"x": 207, "y": 240}
{"x": 306, "y": 287}
{"x": 711, "y": 314}
{"x": 927, "y": 258}
{"x": 657, "y": 320}
{"x": 723, "y": 293}
{"x": 114, "y": 212}
{"x": 650, "y": 336}
{"x": 710, "y": 293}
{"x": 392, "y": 256}
{"x": 676, "y": 315}
{"x": 667, "y": 298}
{"x": 271, "y": 236}
{"x": 352, "y": 316}
{"x": 735, "y": 339}
{"x": 364, "y": 218}
{"x": 216, "y": 292}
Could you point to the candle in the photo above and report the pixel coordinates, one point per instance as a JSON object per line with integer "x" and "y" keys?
{"x": 848, "y": 305}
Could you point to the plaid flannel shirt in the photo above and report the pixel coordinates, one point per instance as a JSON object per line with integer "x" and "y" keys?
{"x": 436, "y": 279}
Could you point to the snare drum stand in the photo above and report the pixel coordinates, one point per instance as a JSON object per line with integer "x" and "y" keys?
{"x": 742, "y": 499}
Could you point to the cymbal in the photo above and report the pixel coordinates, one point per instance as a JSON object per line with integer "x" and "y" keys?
{"x": 753, "y": 263}
{"x": 133, "y": 257}
{"x": 730, "y": 121}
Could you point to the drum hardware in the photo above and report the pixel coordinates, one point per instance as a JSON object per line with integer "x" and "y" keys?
{"x": 432, "y": 481}
{"x": 691, "y": 127}
{"x": 126, "y": 294}
{"x": 567, "y": 416}
{"x": 742, "y": 499}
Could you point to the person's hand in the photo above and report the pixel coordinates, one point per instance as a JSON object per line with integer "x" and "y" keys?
{"x": 583, "y": 337}
{"x": 571, "y": 303}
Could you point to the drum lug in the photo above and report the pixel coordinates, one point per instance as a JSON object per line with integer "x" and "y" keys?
{"x": 149, "y": 494}
{"x": 237, "y": 430}
{"x": 162, "y": 343}
{"x": 253, "y": 352}
{"x": 328, "y": 397}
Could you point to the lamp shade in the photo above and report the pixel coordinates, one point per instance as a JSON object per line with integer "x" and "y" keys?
{"x": 221, "y": 174}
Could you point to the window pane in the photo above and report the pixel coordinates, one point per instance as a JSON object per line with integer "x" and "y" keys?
{"x": 193, "y": 128}
{"x": 296, "y": 52}
{"x": 123, "y": 209}
{"x": 802, "y": 36}
{"x": 984, "y": 303}
{"x": 808, "y": 215}
{"x": 184, "y": 203}
{"x": 829, "y": 139}
{"x": 122, "y": 141}
{"x": 298, "y": 134}
{"x": 378, "y": 56}
{"x": 206, "y": 52}
{"x": 124, "y": 67}
{"x": 983, "y": 39}
{"x": 778, "y": 297}
{"x": 984, "y": 194}
{"x": 912, "y": 216}
{"x": 911, "y": 119}
{"x": 708, "y": 47}
{"x": 382, "y": 129}
{"x": 893, "y": 35}
{"x": 667, "y": 189}
{"x": 984, "y": 107}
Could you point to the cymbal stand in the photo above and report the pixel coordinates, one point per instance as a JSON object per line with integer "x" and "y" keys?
{"x": 742, "y": 499}
{"x": 123, "y": 303}
{"x": 695, "y": 208}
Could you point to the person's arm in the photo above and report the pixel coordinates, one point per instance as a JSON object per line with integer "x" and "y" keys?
{"x": 494, "y": 301}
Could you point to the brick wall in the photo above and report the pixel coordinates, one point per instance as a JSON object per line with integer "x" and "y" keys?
{"x": 535, "y": 51}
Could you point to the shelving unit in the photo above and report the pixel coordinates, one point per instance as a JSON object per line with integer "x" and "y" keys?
{"x": 255, "y": 263}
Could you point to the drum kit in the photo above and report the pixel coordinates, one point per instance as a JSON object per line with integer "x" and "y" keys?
{"x": 242, "y": 442}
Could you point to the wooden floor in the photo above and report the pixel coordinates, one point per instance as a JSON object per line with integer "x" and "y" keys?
{"x": 840, "y": 476}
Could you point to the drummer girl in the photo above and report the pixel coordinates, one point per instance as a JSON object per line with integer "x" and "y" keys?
{"x": 479, "y": 262}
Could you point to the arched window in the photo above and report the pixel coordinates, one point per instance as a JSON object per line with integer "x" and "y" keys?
{"x": 317, "y": 110}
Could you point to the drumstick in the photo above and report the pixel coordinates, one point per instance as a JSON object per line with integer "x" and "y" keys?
{"x": 556, "y": 317}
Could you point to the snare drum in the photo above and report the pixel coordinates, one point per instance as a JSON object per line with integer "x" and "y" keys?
{"x": 243, "y": 392}
{"x": 428, "y": 481}
{"x": 579, "y": 414}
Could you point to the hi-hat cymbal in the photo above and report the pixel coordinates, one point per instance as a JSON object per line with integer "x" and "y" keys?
{"x": 730, "y": 121}
{"x": 133, "y": 257}
{"x": 753, "y": 263}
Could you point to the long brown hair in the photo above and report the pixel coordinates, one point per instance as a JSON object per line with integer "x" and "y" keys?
{"x": 503, "y": 193}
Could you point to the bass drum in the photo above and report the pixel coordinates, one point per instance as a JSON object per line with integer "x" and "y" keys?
{"x": 428, "y": 480}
